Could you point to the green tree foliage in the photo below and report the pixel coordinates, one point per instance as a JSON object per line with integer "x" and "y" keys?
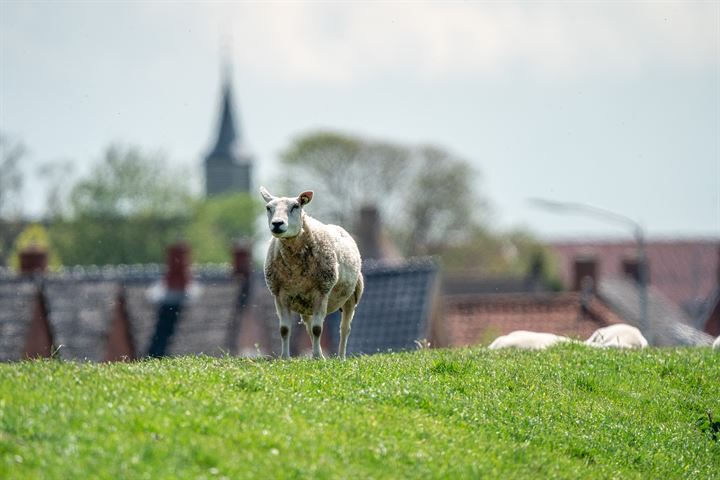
{"x": 440, "y": 203}
{"x": 422, "y": 192}
{"x": 344, "y": 171}
{"x": 132, "y": 205}
{"x": 115, "y": 240}
{"x": 426, "y": 196}
{"x": 129, "y": 183}
{"x": 127, "y": 209}
{"x": 515, "y": 253}
{"x": 219, "y": 221}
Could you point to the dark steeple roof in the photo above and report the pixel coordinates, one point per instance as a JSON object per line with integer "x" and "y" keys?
{"x": 228, "y": 165}
{"x": 229, "y": 139}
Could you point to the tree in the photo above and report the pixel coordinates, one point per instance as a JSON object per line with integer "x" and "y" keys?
{"x": 129, "y": 207}
{"x": 440, "y": 204}
{"x": 423, "y": 193}
{"x": 516, "y": 253}
{"x": 130, "y": 183}
{"x": 56, "y": 175}
{"x": 132, "y": 205}
{"x": 344, "y": 171}
{"x": 11, "y": 178}
{"x": 219, "y": 221}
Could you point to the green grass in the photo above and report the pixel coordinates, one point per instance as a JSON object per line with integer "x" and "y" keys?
{"x": 567, "y": 412}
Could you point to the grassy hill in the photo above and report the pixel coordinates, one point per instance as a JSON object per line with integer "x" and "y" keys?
{"x": 568, "y": 412}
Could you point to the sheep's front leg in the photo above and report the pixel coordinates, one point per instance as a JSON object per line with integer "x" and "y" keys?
{"x": 285, "y": 316}
{"x": 316, "y": 324}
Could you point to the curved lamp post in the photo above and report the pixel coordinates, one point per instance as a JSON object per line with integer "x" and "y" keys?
{"x": 638, "y": 233}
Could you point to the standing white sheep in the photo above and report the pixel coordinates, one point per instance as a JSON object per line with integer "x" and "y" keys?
{"x": 527, "y": 340}
{"x": 311, "y": 268}
{"x": 619, "y": 335}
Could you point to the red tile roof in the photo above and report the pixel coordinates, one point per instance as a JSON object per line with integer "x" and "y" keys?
{"x": 478, "y": 319}
{"x": 685, "y": 271}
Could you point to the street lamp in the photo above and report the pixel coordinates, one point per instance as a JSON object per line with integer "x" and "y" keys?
{"x": 638, "y": 233}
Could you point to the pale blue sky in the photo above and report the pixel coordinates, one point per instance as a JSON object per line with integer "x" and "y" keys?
{"x": 611, "y": 104}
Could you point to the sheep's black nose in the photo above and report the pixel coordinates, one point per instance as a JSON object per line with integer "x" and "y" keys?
{"x": 276, "y": 224}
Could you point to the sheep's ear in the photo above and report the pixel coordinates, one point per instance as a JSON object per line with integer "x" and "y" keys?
{"x": 266, "y": 195}
{"x": 305, "y": 197}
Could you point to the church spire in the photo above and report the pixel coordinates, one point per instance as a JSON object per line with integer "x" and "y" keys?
{"x": 228, "y": 166}
{"x": 229, "y": 138}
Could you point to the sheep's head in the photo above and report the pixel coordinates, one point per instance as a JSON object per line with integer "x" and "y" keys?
{"x": 285, "y": 213}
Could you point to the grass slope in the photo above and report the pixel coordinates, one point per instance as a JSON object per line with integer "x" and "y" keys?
{"x": 568, "y": 412}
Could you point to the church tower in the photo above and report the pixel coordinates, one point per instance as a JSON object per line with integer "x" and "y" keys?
{"x": 228, "y": 165}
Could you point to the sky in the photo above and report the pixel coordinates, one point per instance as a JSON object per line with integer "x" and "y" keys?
{"x": 610, "y": 104}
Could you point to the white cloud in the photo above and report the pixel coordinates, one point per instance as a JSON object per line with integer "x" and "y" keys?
{"x": 337, "y": 44}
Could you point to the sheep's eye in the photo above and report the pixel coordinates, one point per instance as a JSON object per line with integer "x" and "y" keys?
{"x": 295, "y": 205}
{"x": 267, "y": 207}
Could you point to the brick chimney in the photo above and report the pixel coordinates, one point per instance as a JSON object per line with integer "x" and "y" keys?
{"x": 177, "y": 276}
{"x": 177, "y": 279}
{"x": 631, "y": 269}
{"x": 33, "y": 260}
{"x": 368, "y": 232}
{"x": 39, "y": 339}
{"x": 242, "y": 259}
{"x": 242, "y": 268}
{"x": 585, "y": 266}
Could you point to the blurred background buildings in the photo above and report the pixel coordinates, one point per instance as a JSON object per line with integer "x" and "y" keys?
{"x": 424, "y": 143}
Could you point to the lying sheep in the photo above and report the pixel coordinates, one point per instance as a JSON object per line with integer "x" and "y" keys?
{"x": 620, "y": 335}
{"x": 311, "y": 268}
{"x": 716, "y": 344}
{"x": 527, "y": 340}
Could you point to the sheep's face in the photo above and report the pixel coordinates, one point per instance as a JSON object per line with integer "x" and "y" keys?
{"x": 285, "y": 213}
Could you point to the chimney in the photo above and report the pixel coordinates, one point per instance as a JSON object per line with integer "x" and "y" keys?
{"x": 177, "y": 279}
{"x": 242, "y": 259}
{"x": 585, "y": 267}
{"x": 717, "y": 268}
{"x": 369, "y": 232}
{"x": 39, "y": 339}
{"x": 33, "y": 260}
{"x": 177, "y": 276}
{"x": 631, "y": 269}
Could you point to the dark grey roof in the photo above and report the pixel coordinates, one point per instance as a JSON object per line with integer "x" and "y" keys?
{"x": 17, "y": 299}
{"x": 393, "y": 313}
{"x": 142, "y": 313}
{"x": 668, "y": 325}
{"x": 394, "y": 310}
{"x": 205, "y": 320}
{"x": 229, "y": 146}
{"x": 80, "y": 313}
{"x": 227, "y": 135}
{"x": 395, "y": 307}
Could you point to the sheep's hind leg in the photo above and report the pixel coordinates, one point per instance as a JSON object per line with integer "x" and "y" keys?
{"x": 285, "y": 316}
{"x": 348, "y": 311}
